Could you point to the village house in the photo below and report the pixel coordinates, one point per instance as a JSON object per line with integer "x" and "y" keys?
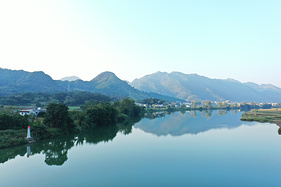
{"x": 28, "y": 111}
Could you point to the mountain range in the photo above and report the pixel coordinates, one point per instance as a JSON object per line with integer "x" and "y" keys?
{"x": 195, "y": 87}
{"x": 107, "y": 83}
{"x": 173, "y": 86}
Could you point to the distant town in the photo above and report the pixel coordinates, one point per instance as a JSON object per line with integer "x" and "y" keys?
{"x": 208, "y": 105}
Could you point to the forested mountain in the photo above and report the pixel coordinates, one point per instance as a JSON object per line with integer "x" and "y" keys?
{"x": 107, "y": 83}
{"x": 12, "y": 81}
{"x": 166, "y": 86}
{"x": 196, "y": 87}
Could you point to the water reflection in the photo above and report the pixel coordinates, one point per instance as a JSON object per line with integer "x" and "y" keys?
{"x": 28, "y": 151}
{"x": 204, "y": 113}
{"x": 158, "y": 123}
{"x": 189, "y": 122}
{"x": 244, "y": 156}
{"x": 56, "y": 150}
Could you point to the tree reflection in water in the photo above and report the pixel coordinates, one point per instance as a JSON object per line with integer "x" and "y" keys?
{"x": 56, "y": 150}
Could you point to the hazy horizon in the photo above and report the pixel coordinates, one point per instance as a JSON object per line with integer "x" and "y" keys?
{"x": 217, "y": 39}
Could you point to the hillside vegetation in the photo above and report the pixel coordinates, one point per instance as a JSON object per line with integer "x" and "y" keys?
{"x": 195, "y": 87}
{"x": 17, "y": 82}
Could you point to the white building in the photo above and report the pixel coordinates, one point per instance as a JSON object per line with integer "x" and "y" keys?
{"x": 28, "y": 111}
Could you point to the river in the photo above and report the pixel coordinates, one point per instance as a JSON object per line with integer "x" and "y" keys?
{"x": 208, "y": 148}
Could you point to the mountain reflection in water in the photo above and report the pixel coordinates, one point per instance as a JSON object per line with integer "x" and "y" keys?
{"x": 189, "y": 122}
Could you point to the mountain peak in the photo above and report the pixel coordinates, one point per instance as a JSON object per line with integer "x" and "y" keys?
{"x": 107, "y": 75}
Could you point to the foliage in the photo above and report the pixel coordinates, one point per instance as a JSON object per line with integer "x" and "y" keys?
{"x": 76, "y": 98}
{"x": 56, "y": 149}
{"x": 263, "y": 115}
{"x": 38, "y": 131}
{"x": 152, "y": 101}
{"x": 57, "y": 117}
{"x": 103, "y": 114}
{"x": 266, "y": 106}
{"x": 16, "y": 121}
{"x": 58, "y": 120}
{"x": 128, "y": 107}
{"x": 195, "y": 87}
{"x": 107, "y": 83}
{"x": 9, "y": 138}
{"x": 247, "y": 107}
{"x": 106, "y": 114}
{"x": 8, "y": 109}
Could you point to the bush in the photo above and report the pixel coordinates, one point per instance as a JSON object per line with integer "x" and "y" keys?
{"x": 15, "y": 121}
{"x": 38, "y": 131}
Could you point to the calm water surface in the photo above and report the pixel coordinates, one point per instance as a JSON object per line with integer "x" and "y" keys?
{"x": 180, "y": 149}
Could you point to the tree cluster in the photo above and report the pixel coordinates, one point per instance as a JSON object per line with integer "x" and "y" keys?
{"x": 57, "y": 117}
{"x": 107, "y": 114}
{"x": 152, "y": 101}
{"x": 76, "y": 98}
{"x": 92, "y": 115}
{"x": 15, "y": 121}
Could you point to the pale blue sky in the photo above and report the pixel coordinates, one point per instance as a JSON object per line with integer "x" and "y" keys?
{"x": 132, "y": 38}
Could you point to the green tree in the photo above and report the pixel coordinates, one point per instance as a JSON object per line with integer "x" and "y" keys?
{"x": 5, "y": 121}
{"x": 103, "y": 114}
{"x": 57, "y": 116}
{"x": 15, "y": 121}
{"x": 151, "y": 101}
{"x": 128, "y": 107}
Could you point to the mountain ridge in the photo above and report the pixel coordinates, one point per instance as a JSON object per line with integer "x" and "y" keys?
{"x": 196, "y": 87}
{"x": 107, "y": 83}
{"x": 168, "y": 86}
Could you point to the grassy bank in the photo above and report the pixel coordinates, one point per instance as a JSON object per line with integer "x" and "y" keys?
{"x": 263, "y": 115}
{"x": 10, "y": 138}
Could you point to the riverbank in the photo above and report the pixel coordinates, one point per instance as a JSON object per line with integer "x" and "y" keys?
{"x": 11, "y": 138}
{"x": 263, "y": 115}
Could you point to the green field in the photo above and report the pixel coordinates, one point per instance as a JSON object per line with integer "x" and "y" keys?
{"x": 263, "y": 115}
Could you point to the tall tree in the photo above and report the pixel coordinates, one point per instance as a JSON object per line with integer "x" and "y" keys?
{"x": 103, "y": 114}
{"x": 57, "y": 116}
{"x": 128, "y": 107}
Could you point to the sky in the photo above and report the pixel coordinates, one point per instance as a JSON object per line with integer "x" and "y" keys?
{"x": 220, "y": 39}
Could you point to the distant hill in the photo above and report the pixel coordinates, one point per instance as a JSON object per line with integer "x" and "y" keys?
{"x": 168, "y": 86}
{"x": 195, "y": 87}
{"x": 16, "y": 81}
{"x": 107, "y": 83}
{"x": 70, "y": 78}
